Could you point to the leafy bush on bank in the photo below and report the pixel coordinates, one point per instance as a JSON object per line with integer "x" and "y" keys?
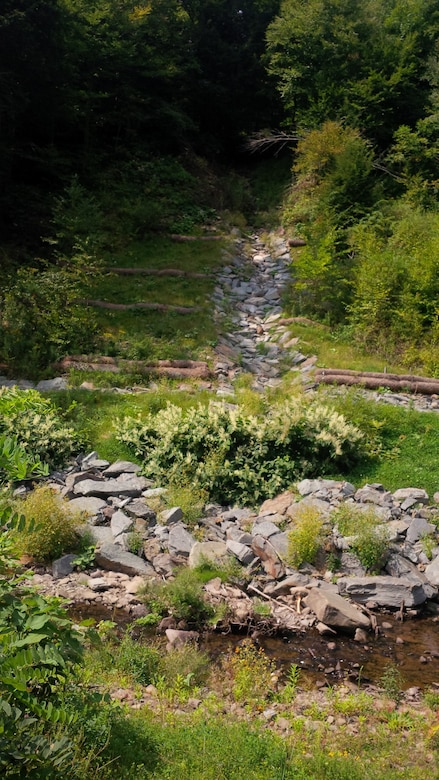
{"x": 239, "y": 457}
{"x": 37, "y": 426}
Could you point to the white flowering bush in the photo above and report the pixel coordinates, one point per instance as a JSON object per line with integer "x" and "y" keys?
{"x": 239, "y": 457}
{"x": 36, "y": 425}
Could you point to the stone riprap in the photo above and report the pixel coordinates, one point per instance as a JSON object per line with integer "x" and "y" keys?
{"x": 136, "y": 542}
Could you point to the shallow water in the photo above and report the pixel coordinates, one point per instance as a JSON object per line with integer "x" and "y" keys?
{"x": 337, "y": 657}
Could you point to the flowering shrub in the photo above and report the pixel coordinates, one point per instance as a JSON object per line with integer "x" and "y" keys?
{"x": 239, "y": 457}
{"x": 36, "y": 425}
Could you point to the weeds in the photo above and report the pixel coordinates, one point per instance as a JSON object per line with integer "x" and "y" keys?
{"x": 369, "y": 536}
{"x": 305, "y": 539}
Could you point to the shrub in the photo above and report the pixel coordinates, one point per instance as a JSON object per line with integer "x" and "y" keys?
{"x": 305, "y": 539}
{"x": 185, "y": 663}
{"x": 16, "y": 463}
{"x": 252, "y": 672}
{"x": 370, "y": 536}
{"x": 37, "y": 426}
{"x": 38, "y": 650}
{"x": 239, "y": 457}
{"x": 137, "y": 659}
{"x": 182, "y": 597}
{"x": 55, "y": 529}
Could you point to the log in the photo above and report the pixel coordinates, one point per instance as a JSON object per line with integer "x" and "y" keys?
{"x": 373, "y": 381}
{"x": 296, "y": 242}
{"x": 377, "y": 374}
{"x": 182, "y": 239}
{"x": 120, "y": 271}
{"x": 141, "y": 305}
{"x": 174, "y": 369}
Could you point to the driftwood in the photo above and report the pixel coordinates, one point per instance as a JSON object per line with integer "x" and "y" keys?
{"x": 373, "y": 380}
{"x": 183, "y": 239}
{"x": 141, "y": 305}
{"x": 155, "y": 272}
{"x": 174, "y": 369}
{"x": 296, "y": 242}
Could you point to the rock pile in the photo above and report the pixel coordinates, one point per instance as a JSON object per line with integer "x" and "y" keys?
{"x": 137, "y": 541}
{"x": 248, "y": 292}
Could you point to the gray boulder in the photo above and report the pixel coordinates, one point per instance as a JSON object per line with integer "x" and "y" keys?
{"x": 180, "y": 541}
{"x": 113, "y": 558}
{"x": 384, "y": 591}
{"x": 242, "y": 552}
{"x": 215, "y": 552}
{"x": 110, "y": 487}
{"x": 334, "y": 611}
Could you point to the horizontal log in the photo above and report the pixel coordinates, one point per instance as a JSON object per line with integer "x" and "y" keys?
{"x": 374, "y": 383}
{"x": 178, "y": 369}
{"x": 120, "y": 271}
{"x": 378, "y": 374}
{"x": 140, "y": 305}
{"x": 182, "y": 239}
{"x": 296, "y": 242}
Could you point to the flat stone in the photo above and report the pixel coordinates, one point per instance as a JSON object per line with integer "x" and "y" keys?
{"x": 172, "y": 515}
{"x": 265, "y": 529}
{"x": 48, "y": 385}
{"x": 63, "y": 566}
{"x": 385, "y": 591}
{"x": 370, "y": 495}
{"x": 110, "y": 487}
{"x": 280, "y": 504}
{"x": 180, "y": 541}
{"x": 242, "y": 552}
{"x": 419, "y": 494}
{"x": 215, "y": 552}
{"x": 321, "y": 507}
{"x": 120, "y": 523}
{"x": 139, "y": 509}
{"x": 432, "y": 572}
{"x": 269, "y": 557}
{"x": 101, "y": 534}
{"x": 121, "y": 467}
{"x": 113, "y": 558}
{"x": 419, "y": 528}
{"x": 154, "y": 492}
{"x": 87, "y": 505}
{"x": 280, "y": 543}
{"x": 284, "y": 587}
{"x": 334, "y": 611}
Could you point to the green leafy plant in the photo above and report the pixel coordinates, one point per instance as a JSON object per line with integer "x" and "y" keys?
{"x": 85, "y": 558}
{"x": 38, "y": 650}
{"x": 182, "y": 597}
{"x": 37, "y": 426}
{"x": 252, "y": 673}
{"x": 16, "y": 463}
{"x": 391, "y": 682}
{"x": 238, "y": 457}
{"x": 305, "y": 539}
{"x": 288, "y": 692}
{"x": 369, "y": 535}
{"x": 55, "y": 530}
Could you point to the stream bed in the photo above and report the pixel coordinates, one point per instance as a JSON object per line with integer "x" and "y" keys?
{"x": 412, "y": 646}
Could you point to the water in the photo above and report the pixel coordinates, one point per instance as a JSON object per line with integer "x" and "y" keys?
{"x": 330, "y": 660}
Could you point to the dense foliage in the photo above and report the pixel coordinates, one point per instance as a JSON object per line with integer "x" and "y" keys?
{"x": 36, "y": 426}
{"x": 237, "y": 457}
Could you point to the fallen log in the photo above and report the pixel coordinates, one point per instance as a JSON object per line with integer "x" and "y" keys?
{"x": 377, "y": 374}
{"x": 373, "y": 381}
{"x": 300, "y": 321}
{"x": 174, "y": 369}
{"x": 181, "y": 238}
{"x": 141, "y": 305}
{"x": 296, "y": 242}
{"x": 120, "y": 271}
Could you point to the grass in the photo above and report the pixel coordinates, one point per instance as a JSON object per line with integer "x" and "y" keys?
{"x": 341, "y": 734}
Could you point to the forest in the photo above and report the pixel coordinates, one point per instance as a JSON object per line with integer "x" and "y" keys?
{"x": 121, "y": 121}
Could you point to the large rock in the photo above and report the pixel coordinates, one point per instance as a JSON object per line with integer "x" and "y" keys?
{"x": 280, "y": 504}
{"x": 296, "y": 511}
{"x": 111, "y": 487}
{"x": 420, "y": 495}
{"x": 334, "y": 611}
{"x": 432, "y": 572}
{"x": 180, "y": 541}
{"x": 120, "y": 523}
{"x": 242, "y": 552}
{"x": 121, "y": 467}
{"x": 418, "y": 528}
{"x": 113, "y": 558}
{"x": 384, "y": 591}
{"x": 271, "y": 562}
{"x": 265, "y": 529}
{"x": 398, "y": 566}
{"x": 88, "y": 505}
{"x": 215, "y": 552}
